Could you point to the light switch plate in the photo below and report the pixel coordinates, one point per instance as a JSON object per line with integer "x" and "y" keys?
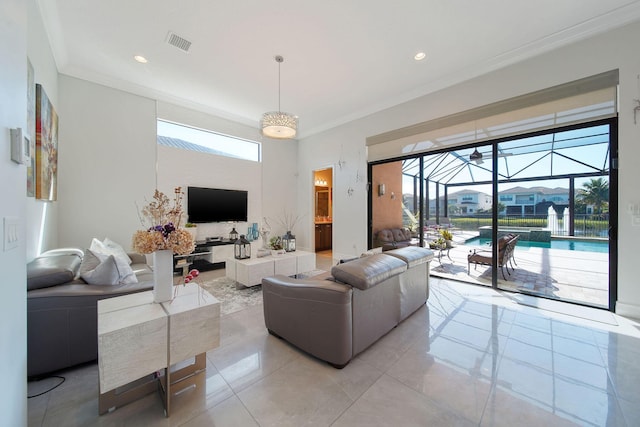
{"x": 11, "y": 232}
{"x": 19, "y": 146}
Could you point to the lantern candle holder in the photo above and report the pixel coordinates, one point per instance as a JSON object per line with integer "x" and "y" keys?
{"x": 242, "y": 248}
{"x": 233, "y": 236}
{"x": 289, "y": 242}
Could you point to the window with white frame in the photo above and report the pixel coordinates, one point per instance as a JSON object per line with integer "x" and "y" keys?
{"x": 189, "y": 138}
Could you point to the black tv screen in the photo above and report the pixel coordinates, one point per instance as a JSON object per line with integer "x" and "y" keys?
{"x": 216, "y": 205}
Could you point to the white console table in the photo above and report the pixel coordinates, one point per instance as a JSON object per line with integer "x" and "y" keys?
{"x": 250, "y": 272}
{"x": 138, "y": 338}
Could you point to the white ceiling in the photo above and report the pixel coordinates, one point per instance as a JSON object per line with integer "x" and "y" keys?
{"x": 343, "y": 59}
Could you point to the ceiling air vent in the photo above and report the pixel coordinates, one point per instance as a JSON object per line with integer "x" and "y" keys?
{"x": 179, "y": 42}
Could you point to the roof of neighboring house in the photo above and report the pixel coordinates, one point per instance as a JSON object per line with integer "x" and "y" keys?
{"x": 180, "y": 143}
{"x": 464, "y": 192}
{"x": 536, "y": 190}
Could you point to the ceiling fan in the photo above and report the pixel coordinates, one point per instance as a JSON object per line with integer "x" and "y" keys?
{"x": 477, "y": 156}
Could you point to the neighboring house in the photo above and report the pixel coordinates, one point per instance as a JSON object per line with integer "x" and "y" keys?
{"x": 463, "y": 202}
{"x": 517, "y": 201}
{"x": 534, "y": 200}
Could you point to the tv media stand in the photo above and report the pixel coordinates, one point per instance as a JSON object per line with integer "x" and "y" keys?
{"x": 211, "y": 254}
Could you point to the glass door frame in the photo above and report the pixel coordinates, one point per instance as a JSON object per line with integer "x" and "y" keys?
{"x": 613, "y": 196}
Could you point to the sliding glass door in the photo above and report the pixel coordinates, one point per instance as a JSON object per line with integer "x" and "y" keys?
{"x": 532, "y": 214}
{"x": 555, "y": 190}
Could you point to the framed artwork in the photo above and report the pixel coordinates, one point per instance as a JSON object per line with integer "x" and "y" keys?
{"x": 46, "y": 147}
{"x": 31, "y": 130}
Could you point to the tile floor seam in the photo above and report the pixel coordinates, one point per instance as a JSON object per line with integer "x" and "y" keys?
{"x": 253, "y": 417}
{"x": 437, "y": 404}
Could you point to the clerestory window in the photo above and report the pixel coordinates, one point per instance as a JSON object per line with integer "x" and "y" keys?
{"x": 204, "y": 141}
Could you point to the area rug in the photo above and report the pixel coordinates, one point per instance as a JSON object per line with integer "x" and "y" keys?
{"x": 232, "y": 299}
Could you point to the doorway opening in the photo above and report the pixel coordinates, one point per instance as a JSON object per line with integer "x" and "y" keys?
{"x": 323, "y": 211}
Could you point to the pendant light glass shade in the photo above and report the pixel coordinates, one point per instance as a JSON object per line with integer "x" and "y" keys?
{"x": 278, "y": 124}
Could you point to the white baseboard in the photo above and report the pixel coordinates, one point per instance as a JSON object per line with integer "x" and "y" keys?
{"x": 628, "y": 310}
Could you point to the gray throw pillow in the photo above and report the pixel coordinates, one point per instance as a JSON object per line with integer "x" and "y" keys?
{"x": 105, "y": 273}
{"x": 92, "y": 260}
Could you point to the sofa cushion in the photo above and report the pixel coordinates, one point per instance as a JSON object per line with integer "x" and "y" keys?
{"x": 364, "y": 273}
{"x": 48, "y": 271}
{"x": 385, "y": 235}
{"x": 412, "y": 255}
{"x": 401, "y": 234}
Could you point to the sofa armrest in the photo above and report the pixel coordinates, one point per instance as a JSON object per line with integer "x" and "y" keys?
{"x": 47, "y": 271}
{"x": 313, "y": 315}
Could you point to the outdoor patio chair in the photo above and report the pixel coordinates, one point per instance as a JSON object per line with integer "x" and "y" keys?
{"x": 506, "y": 247}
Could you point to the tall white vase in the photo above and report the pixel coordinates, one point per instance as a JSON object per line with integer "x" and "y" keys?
{"x": 162, "y": 275}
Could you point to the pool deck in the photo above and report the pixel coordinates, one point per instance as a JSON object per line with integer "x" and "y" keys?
{"x": 575, "y": 276}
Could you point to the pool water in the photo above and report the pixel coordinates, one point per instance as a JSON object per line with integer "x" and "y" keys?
{"x": 566, "y": 244}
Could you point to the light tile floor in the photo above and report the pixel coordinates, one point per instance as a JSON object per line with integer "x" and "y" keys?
{"x": 471, "y": 356}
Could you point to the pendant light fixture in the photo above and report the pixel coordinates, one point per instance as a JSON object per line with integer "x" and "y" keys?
{"x": 278, "y": 124}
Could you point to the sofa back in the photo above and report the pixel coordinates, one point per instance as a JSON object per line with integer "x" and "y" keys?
{"x": 414, "y": 283}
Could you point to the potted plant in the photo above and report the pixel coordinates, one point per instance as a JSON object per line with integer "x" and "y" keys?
{"x": 275, "y": 244}
{"x": 439, "y": 243}
{"x": 447, "y": 236}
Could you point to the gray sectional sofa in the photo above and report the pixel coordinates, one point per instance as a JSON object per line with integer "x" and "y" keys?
{"x": 62, "y": 316}
{"x": 336, "y": 317}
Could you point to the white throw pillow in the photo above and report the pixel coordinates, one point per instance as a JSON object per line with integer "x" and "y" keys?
{"x": 94, "y": 261}
{"x": 109, "y": 247}
{"x": 117, "y": 250}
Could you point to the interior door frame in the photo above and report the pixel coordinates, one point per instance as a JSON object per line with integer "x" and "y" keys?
{"x": 313, "y": 204}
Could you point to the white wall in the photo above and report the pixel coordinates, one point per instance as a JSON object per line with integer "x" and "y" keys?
{"x": 182, "y": 168}
{"x": 107, "y": 161}
{"x": 271, "y": 183}
{"x": 279, "y": 186}
{"x": 613, "y": 50}
{"x": 13, "y": 114}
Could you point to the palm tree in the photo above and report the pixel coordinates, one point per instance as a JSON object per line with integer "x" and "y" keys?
{"x": 596, "y": 193}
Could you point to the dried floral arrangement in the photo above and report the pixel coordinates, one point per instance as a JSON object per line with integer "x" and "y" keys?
{"x": 162, "y": 222}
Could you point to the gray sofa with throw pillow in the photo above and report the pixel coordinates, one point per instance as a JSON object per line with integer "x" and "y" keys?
{"x": 62, "y": 316}
{"x": 335, "y": 318}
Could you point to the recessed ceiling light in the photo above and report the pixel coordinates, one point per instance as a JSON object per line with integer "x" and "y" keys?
{"x": 420, "y": 56}
{"x": 141, "y": 59}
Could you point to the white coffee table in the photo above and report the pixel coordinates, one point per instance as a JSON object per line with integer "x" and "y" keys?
{"x": 138, "y": 338}
{"x": 250, "y": 272}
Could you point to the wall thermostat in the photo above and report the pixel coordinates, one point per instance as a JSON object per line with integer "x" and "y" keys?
{"x": 20, "y": 145}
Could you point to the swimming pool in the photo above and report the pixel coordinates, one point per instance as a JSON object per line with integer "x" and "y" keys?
{"x": 566, "y": 244}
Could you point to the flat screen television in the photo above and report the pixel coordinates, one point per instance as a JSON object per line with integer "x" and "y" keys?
{"x": 216, "y": 205}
